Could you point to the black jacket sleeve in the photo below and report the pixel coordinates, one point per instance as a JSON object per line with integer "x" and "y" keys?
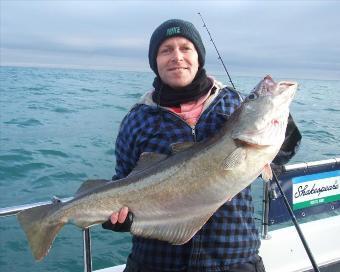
{"x": 290, "y": 145}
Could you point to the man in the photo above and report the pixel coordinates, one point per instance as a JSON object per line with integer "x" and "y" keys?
{"x": 187, "y": 105}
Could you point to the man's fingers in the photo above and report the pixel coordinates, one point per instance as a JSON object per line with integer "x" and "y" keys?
{"x": 114, "y": 218}
{"x": 119, "y": 217}
{"x": 123, "y": 214}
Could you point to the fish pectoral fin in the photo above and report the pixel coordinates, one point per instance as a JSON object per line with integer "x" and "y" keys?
{"x": 267, "y": 173}
{"x": 177, "y": 147}
{"x": 177, "y": 232}
{"x": 147, "y": 159}
{"x": 235, "y": 158}
{"x": 90, "y": 185}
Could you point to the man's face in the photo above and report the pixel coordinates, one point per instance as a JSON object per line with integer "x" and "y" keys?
{"x": 177, "y": 62}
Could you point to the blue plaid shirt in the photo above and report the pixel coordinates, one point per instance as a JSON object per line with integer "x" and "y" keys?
{"x": 230, "y": 236}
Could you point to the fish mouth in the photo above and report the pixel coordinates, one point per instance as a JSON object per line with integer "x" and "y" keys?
{"x": 287, "y": 89}
{"x": 268, "y": 87}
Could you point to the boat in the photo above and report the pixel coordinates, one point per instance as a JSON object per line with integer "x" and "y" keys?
{"x": 308, "y": 192}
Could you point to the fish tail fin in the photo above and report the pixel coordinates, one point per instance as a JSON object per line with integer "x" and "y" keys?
{"x": 40, "y": 228}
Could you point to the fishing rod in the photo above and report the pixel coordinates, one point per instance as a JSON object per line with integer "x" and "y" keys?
{"x": 218, "y": 53}
{"x": 296, "y": 224}
{"x": 291, "y": 213}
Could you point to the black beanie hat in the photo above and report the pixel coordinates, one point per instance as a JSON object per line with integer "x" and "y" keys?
{"x": 173, "y": 28}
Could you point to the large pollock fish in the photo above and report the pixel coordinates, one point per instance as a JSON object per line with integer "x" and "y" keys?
{"x": 173, "y": 197}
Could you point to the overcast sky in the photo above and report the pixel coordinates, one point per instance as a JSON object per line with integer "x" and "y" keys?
{"x": 299, "y": 39}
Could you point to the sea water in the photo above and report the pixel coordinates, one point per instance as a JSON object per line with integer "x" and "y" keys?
{"x": 58, "y": 128}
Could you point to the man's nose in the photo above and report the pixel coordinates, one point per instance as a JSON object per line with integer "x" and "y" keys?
{"x": 177, "y": 54}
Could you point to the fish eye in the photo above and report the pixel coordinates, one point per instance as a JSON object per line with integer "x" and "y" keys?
{"x": 252, "y": 96}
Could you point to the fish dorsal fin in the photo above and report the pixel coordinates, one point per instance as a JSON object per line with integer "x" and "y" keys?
{"x": 235, "y": 158}
{"x": 146, "y": 160}
{"x": 177, "y": 147}
{"x": 90, "y": 185}
{"x": 267, "y": 173}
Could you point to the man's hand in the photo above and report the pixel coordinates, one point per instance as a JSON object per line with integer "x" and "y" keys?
{"x": 120, "y": 221}
{"x": 119, "y": 216}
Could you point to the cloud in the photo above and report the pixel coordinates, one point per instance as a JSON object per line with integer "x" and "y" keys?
{"x": 251, "y": 35}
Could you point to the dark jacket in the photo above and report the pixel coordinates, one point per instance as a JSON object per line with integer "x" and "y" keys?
{"x": 230, "y": 236}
